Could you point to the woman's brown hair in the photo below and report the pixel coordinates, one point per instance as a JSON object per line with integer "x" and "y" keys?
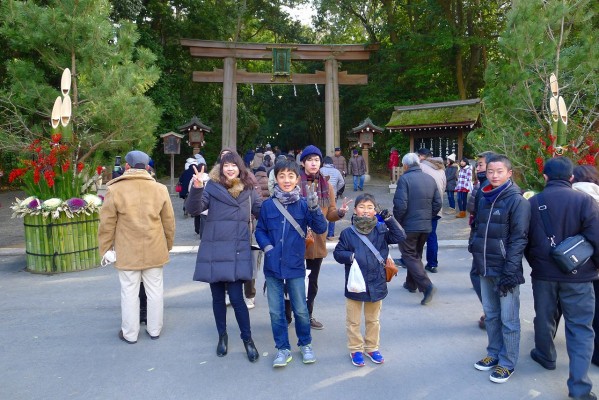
{"x": 234, "y": 158}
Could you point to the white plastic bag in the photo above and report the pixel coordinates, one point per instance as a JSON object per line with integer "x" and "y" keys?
{"x": 355, "y": 280}
{"x": 108, "y": 258}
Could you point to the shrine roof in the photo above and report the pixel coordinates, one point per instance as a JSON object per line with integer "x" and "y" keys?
{"x": 435, "y": 115}
{"x": 195, "y": 121}
{"x": 367, "y": 123}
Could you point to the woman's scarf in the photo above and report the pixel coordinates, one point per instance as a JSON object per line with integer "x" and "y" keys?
{"x": 321, "y": 189}
{"x": 364, "y": 225}
{"x": 286, "y": 197}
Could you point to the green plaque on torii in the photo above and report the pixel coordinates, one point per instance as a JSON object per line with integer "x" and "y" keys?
{"x": 281, "y": 63}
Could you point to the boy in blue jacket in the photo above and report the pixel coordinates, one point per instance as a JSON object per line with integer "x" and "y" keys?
{"x": 284, "y": 249}
{"x": 350, "y": 246}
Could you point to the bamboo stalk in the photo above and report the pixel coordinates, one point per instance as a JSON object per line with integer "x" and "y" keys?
{"x": 29, "y": 241}
{"x": 70, "y": 246}
{"x": 84, "y": 244}
{"x": 62, "y": 246}
{"x": 46, "y": 245}
{"x": 94, "y": 237}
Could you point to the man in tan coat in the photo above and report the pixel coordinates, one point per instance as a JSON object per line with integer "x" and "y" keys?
{"x": 137, "y": 219}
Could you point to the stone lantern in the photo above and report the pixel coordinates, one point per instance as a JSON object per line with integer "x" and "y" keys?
{"x": 195, "y": 130}
{"x": 365, "y": 133}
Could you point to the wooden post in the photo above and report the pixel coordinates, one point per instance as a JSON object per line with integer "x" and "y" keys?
{"x": 229, "y": 104}
{"x": 365, "y": 156}
{"x": 172, "y": 173}
{"x": 331, "y": 106}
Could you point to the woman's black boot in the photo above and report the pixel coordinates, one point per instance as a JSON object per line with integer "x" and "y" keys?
{"x": 251, "y": 350}
{"x": 221, "y": 348}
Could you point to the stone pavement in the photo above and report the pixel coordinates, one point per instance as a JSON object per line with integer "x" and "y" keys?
{"x": 59, "y": 336}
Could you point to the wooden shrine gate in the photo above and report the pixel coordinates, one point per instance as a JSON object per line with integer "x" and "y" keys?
{"x": 230, "y": 76}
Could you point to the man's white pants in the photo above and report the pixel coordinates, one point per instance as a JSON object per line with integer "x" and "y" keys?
{"x": 130, "y": 280}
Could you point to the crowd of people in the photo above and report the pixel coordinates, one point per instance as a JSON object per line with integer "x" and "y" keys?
{"x": 286, "y": 209}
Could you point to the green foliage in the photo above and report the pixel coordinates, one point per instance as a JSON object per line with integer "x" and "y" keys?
{"x": 541, "y": 38}
{"x": 110, "y": 75}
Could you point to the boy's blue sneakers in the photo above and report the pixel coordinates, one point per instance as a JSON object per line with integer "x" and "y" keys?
{"x": 357, "y": 358}
{"x": 376, "y": 357}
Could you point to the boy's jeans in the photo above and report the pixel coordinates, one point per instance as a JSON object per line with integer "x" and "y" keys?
{"x": 502, "y": 322}
{"x": 296, "y": 288}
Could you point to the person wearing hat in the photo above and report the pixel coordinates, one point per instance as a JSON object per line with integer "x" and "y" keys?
{"x": 138, "y": 222}
{"x": 357, "y": 168}
{"x": 451, "y": 175}
{"x": 339, "y": 162}
{"x": 311, "y": 158}
{"x": 551, "y": 288}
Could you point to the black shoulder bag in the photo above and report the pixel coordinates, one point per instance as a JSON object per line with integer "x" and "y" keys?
{"x": 572, "y": 252}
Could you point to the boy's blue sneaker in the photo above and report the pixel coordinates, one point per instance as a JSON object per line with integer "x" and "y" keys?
{"x": 376, "y": 357}
{"x": 486, "y": 364}
{"x": 357, "y": 358}
{"x": 282, "y": 359}
{"x": 501, "y": 374}
{"x": 308, "y": 356}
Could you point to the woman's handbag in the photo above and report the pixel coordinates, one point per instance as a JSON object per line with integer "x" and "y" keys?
{"x": 572, "y": 252}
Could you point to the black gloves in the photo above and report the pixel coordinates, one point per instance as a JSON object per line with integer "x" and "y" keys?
{"x": 385, "y": 214}
{"x": 506, "y": 284}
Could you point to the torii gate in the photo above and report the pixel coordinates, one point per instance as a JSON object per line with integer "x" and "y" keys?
{"x": 230, "y": 76}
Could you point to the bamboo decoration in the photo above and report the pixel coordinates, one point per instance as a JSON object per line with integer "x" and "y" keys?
{"x": 559, "y": 116}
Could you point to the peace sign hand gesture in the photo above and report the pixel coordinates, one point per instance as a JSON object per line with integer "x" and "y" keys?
{"x": 311, "y": 196}
{"x": 345, "y": 205}
{"x": 198, "y": 177}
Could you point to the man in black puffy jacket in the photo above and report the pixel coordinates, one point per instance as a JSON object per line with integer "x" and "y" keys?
{"x": 498, "y": 243}
{"x": 416, "y": 201}
{"x": 570, "y": 213}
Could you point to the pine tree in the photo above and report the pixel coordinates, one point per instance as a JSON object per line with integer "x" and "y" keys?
{"x": 109, "y": 75}
{"x": 541, "y": 38}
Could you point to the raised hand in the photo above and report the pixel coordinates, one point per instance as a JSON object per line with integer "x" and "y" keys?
{"x": 385, "y": 214}
{"x": 345, "y": 205}
{"x": 197, "y": 178}
{"x": 311, "y": 196}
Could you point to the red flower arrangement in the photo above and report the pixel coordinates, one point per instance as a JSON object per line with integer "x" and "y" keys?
{"x": 50, "y": 171}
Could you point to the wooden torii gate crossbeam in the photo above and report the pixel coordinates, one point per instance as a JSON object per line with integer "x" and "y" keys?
{"x": 230, "y": 76}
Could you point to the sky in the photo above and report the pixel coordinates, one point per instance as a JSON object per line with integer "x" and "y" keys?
{"x": 302, "y": 13}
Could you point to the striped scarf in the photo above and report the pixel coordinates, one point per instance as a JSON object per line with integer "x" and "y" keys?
{"x": 321, "y": 189}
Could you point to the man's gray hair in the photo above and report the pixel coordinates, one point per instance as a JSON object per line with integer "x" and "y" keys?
{"x": 411, "y": 160}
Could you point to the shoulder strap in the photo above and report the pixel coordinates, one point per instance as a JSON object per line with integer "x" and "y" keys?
{"x": 289, "y": 218}
{"x": 546, "y": 220}
{"x": 368, "y": 243}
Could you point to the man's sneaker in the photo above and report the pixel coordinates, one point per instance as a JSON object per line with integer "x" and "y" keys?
{"x": 308, "y": 356}
{"x": 227, "y": 300}
{"x": 282, "y": 359}
{"x": 314, "y": 324}
{"x": 357, "y": 358}
{"x": 250, "y": 303}
{"x": 501, "y": 374}
{"x": 376, "y": 357}
{"x": 486, "y": 364}
{"x": 399, "y": 261}
{"x": 431, "y": 269}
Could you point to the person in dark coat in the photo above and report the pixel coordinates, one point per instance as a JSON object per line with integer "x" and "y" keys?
{"x": 350, "y": 248}
{"x": 224, "y": 259}
{"x": 497, "y": 247}
{"x": 451, "y": 175}
{"x": 550, "y": 286}
{"x": 416, "y": 200}
{"x": 284, "y": 267}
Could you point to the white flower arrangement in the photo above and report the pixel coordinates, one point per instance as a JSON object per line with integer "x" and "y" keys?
{"x": 54, "y": 207}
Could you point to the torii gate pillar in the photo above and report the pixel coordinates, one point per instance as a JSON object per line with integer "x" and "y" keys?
{"x": 331, "y": 105}
{"x": 230, "y": 103}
